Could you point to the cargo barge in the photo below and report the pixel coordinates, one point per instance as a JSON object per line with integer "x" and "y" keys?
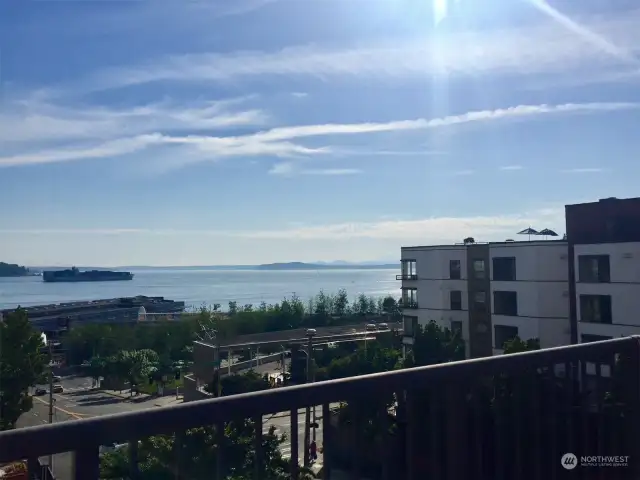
{"x": 75, "y": 275}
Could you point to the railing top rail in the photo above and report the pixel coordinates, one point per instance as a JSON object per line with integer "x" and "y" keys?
{"x": 63, "y": 437}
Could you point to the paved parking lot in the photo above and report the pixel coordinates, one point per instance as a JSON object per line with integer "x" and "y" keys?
{"x": 80, "y": 401}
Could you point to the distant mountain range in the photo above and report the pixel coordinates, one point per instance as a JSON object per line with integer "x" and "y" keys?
{"x": 270, "y": 266}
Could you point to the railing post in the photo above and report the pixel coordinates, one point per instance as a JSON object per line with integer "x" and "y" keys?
{"x": 409, "y": 412}
{"x": 633, "y": 404}
{"x": 456, "y": 433}
{"x": 86, "y": 463}
{"x": 220, "y": 444}
{"x": 178, "y": 442}
{"x": 326, "y": 441}
{"x": 134, "y": 471}
{"x": 293, "y": 419}
{"x": 257, "y": 445}
{"x": 34, "y": 468}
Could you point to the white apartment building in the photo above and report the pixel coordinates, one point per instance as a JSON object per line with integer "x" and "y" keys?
{"x": 604, "y": 245}
{"x": 530, "y": 292}
{"x": 490, "y": 292}
{"x": 434, "y": 287}
{"x": 607, "y": 290}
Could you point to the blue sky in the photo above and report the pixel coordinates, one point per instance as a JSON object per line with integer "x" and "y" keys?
{"x": 253, "y": 131}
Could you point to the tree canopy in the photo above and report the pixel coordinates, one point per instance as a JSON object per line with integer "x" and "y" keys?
{"x": 22, "y": 365}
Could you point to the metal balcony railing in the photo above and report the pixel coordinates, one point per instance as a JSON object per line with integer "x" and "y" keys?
{"x": 406, "y": 276}
{"x": 408, "y": 304}
{"x": 504, "y": 417}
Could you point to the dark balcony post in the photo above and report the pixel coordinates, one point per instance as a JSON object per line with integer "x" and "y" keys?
{"x": 384, "y": 442}
{"x": 456, "y": 433}
{"x": 409, "y": 414}
{"x": 293, "y": 421}
{"x": 633, "y": 404}
{"x": 356, "y": 431}
{"x": 134, "y": 471}
{"x": 178, "y": 443}
{"x": 34, "y": 469}
{"x": 86, "y": 463}
{"x": 326, "y": 441}
{"x": 257, "y": 445}
{"x": 220, "y": 444}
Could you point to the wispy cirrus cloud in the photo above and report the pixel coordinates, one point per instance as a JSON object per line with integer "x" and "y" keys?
{"x": 289, "y": 169}
{"x": 584, "y": 170}
{"x": 280, "y": 141}
{"x": 32, "y": 120}
{"x": 511, "y": 168}
{"x": 424, "y": 230}
{"x": 558, "y": 46}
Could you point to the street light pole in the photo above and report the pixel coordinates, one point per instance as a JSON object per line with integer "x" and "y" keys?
{"x": 307, "y": 417}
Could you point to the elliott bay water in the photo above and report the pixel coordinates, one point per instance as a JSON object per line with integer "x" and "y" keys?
{"x": 197, "y": 286}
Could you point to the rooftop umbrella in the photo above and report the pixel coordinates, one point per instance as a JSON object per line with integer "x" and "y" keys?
{"x": 547, "y": 233}
{"x": 528, "y": 231}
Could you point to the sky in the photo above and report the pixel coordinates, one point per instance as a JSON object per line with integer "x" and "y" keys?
{"x": 211, "y": 132}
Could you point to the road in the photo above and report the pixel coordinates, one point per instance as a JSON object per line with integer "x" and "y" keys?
{"x": 78, "y": 402}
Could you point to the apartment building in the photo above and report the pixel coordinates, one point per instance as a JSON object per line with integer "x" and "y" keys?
{"x": 490, "y": 292}
{"x": 604, "y": 244}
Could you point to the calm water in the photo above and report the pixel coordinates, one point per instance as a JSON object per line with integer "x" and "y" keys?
{"x": 197, "y": 287}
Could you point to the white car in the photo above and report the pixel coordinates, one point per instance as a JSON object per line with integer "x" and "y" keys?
{"x": 383, "y": 326}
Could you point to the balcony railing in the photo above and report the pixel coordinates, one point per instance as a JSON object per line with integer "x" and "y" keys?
{"x": 408, "y": 304}
{"x": 406, "y": 276}
{"x": 505, "y": 417}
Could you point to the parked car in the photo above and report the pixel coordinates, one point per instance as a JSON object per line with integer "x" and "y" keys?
{"x": 383, "y": 326}
{"x": 58, "y": 389}
{"x": 57, "y": 379}
{"x": 371, "y": 327}
{"x": 39, "y": 392}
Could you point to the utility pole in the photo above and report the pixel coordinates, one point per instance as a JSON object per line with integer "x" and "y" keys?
{"x": 51, "y": 395}
{"x": 307, "y": 416}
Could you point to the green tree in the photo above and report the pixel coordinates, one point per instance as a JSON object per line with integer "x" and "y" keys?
{"x": 516, "y": 345}
{"x": 341, "y": 303}
{"x": 433, "y": 344}
{"x": 323, "y": 304}
{"x": 22, "y": 365}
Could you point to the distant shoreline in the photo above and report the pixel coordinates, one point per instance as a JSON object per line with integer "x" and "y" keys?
{"x": 270, "y": 266}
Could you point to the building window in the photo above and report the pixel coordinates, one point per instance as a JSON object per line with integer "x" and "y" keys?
{"x": 503, "y": 334}
{"x": 456, "y": 299}
{"x": 505, "y": 303}
{"x": 478, "y": 269}
{"x": 409, "y": 270}
{"x": 594, "y": 268}
{"x": 504, "y": 269}
{"x": 595, "y": 308}
{"x": 410, "y": 297}
{"x": 454, "y": 269}
{"x": 410, "y": 325}
{"x": 456, "y": 327}
{"x": 480, "y": 301}
{"x": 587, "y": 338}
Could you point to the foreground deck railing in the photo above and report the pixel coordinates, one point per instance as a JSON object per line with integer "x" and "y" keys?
{"x": 506, "y": 417}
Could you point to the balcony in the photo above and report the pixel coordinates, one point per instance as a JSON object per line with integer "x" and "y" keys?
{"x": 406, "y": 276}
{"x": 507, "y": 417}
{"x": 412, "y": 304}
